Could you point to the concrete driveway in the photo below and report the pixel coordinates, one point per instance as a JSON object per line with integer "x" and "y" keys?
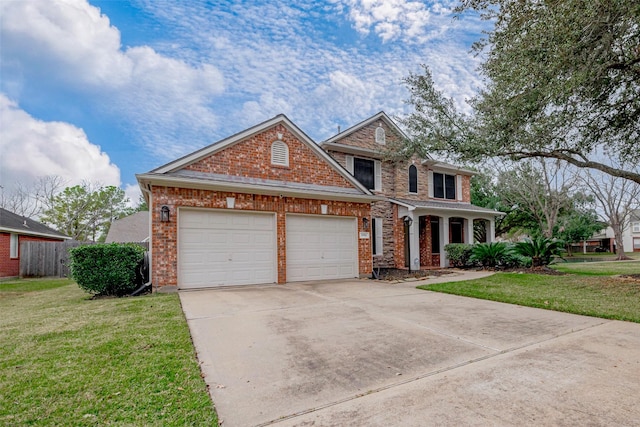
{"x": 365, "y": 353}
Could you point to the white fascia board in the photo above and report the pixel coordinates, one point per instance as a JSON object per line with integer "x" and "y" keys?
{"x": 165, "y": 181}
{"x": 446, "y": 167}
{"x": 217, "y": 146}
{"x": 380, "y": 116}
{"x": 342, "y": 148}
{"x": 279, "y": 119}
{"x": 405, "y": 205}
{"x": 32, "y": 233}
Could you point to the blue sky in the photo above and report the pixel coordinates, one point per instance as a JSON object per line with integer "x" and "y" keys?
{"x": 98, "y": 91}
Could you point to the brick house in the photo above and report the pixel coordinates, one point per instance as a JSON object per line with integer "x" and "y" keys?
{"x": 14, "y": 230}
{"x": 266, "y": 205}
{"x": 427, "y": 203}
{"x": 269, "y": 205}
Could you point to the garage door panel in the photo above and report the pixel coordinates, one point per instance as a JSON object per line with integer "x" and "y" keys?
{"x": 321, "y": 247}
{"x": 225, "y": 248}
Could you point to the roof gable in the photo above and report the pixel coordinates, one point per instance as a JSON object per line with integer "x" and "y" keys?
{"x": 247, "y": 155}
{"x": 13, "y": 223}
{"x": 362, "y": 135}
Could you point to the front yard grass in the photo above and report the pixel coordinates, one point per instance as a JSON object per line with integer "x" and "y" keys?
{"x": 68, "y": 360}
{"x": 582, "y": 292}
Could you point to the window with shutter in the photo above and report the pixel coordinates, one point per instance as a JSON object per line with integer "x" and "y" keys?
{"x": 444, "y": 186}
{"x": 279, "y": 154}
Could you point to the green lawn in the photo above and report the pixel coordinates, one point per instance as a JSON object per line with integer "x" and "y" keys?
{"x": 590, "y": 290}
{"x": 599, "y": 268}
{"x": 68, "y": 360}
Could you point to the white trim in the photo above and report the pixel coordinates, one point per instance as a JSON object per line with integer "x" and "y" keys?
{"x": 14, "y": 245}
{"x": 182, "y": 182}
{"x": 380, "y": 116}
{"x": 279, "y": 119}
{"x": 32, "y": 233}
{"x": 431, "y": 184}
{"x": 377, "y": 168}
{"x": 379, "y": 237}
{"x": 349, "y": 163}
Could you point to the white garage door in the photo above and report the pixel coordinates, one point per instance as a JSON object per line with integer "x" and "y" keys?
{"x": 321, "y": 247}
{"x": 221, "y": 248}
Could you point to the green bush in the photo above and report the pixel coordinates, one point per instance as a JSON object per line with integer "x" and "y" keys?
{"x": 459, "y": 254}
{"x": 106, "y": 269}
{"x": 541, "y": 250}
{"x": 489, "y": 254}
{"x": 513, "y": 260}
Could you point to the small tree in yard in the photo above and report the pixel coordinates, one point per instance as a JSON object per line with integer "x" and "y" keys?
{"x": 107, "y": 269}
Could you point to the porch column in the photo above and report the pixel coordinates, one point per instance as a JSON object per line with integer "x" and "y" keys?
{"x": 444, "y": 240}
{"x": 491, "y": 233}
{"x": 468, "y": 238}
{"x": 414, "y": 242}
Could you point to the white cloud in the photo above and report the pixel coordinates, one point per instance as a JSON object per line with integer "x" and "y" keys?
{"x": 33, "y": 148}
{"x": 395, "y": 19}
{"x": 77, "y": 47}
{"x": 133, "y": 193}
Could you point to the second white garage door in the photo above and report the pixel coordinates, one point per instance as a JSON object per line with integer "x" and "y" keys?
{"x": 321, "y": 247}
{"x": 221, "y": 248}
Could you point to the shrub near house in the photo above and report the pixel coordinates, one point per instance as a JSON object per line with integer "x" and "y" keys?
{"x": 107, "y": 269}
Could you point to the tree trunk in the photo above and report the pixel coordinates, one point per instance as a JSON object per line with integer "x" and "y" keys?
{"x": 617, "y": 232}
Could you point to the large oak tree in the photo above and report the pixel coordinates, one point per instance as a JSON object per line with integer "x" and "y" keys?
{"x": 562, "y": 81}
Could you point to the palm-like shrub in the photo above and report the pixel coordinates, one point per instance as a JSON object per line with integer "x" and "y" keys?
{"x": 541, "y": 250}
{"x": 490, "y": 254}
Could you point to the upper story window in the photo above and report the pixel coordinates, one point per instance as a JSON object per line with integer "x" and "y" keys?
{"x": 367, "y": 171}
{"x": 279, "y": 154}
{"x": 413, "y": 179}
{"x": 364, "y": 171}
{"x": 635, "y": 227}
{"x": 444, "y": 186}
{"x": 380, "y": 135}
{"x": 13, "y": 246}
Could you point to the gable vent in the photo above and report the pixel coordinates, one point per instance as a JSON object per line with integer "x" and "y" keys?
{"x": 380, "y": 136}
{"x": 279, "y": 153}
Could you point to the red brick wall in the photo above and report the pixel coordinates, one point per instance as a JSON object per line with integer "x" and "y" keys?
{"x": 164, "y": 234}
{"x": 11, "y": 266}
{"x": 252, "y": 158}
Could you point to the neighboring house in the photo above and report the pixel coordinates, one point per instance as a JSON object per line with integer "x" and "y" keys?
{"x": 14, "y": 230}
{"x": 132, "y": 228}
{"x": 427, "y": 204}
{"x": 604, "y": 240}
{"x": 269, "y": 205}
{"x": 631, "y": 236}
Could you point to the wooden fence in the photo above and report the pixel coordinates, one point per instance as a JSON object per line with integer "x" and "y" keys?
{"x": 43, "y": 259}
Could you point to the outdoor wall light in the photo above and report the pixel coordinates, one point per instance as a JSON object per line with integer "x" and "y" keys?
{"x": 407, "y": 220}
{"x": 365, "y": 223}
{"x": 164, "y": 214}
